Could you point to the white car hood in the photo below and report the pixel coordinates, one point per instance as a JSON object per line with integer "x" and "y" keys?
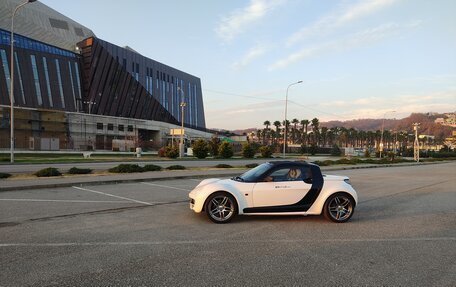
{"x": 327, "y": 177}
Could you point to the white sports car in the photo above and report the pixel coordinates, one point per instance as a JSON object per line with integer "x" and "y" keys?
{"x": 276, "y": 188}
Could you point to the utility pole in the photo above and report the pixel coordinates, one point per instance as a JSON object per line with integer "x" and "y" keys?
{"x": 416, "y": 144}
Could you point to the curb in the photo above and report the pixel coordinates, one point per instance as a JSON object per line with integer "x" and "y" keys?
{"x": 118, "y": 181}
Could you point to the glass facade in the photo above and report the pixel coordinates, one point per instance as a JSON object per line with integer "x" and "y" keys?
{"x": 29, "y": 44}
{"x": 59, "y": 78}
{"x": 19, "y": 74}
{"x": 36, "y": 80}
{"x": 48, "y": 85}
{"x": 72, "y": 83}
{"x": 6, "y": 69}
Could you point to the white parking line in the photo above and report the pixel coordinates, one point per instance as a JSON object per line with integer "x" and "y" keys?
{"x": 60, "y": 200}
{"x": 165, "y": 186}
{"x": 112, "y": 195}
{"x": 202, "y": 242}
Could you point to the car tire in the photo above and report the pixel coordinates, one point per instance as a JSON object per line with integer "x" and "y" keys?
{"x": 221, "y": 207}
{"x": 339, "y": 207}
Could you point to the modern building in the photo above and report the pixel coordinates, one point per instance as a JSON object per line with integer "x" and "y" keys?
{"x": 74, "y": 91}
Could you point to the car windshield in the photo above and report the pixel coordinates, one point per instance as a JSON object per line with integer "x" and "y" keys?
{"x": 254, "y": 173}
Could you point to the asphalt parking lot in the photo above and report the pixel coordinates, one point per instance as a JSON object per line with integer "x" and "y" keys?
{"x": 403, "y": 233}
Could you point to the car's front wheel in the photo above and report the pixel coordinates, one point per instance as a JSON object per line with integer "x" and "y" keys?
{"x": 221, "y": 207}
{"x": 339, "y": 207}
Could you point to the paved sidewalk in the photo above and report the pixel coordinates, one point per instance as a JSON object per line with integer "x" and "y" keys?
{"x": 35, "y": 183}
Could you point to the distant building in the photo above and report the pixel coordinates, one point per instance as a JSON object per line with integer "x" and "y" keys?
{"x": 74, "y": 91}
{"x": 449, "y": 120}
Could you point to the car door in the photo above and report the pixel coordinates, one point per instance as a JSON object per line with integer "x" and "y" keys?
{"x": 278, "y": 188}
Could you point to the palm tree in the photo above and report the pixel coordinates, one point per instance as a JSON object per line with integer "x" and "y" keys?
{"x": 266, "y": 132}
{"x": 324, "y": 134}
{"x": 295, "y": 122}
{"x": 315, "y": 128}
{"x": 277, "y": 124}
{"x": 305, "y": 125}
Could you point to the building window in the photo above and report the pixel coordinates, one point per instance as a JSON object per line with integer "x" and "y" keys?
{"x": 110, "y": 127}
{"x": 48, "y": 85}
{"x": 130, "y": 128}
{"x": 36, "y": 80}
{"x": 6, "y": 69}
{"x": 78, "y": 81}
{"x": 59, "y": 78}
{"x": 99, "y": 126}
{"x": 121, "y": 128}
{"x": 72, "y": 83}
{"x": 20, "y": 77}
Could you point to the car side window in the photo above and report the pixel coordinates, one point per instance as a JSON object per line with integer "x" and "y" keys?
{"x": 306, "y": 174}
{"x": 285, "y": 174}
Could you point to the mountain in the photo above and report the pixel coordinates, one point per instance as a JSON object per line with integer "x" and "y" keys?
{"x": 426, "y": 120}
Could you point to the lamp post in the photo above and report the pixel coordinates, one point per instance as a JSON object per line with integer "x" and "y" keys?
{"x": 12, "y": 77}
{"x": 285, "y": 123}
{"x": 182, "y": 105}
{"x": 381, "y": 136}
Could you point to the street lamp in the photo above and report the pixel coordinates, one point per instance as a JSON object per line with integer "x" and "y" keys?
{"x": 182, "y": 105}
{"x": 381, "y": 136}
{"x": 12, "y": 77}
{"x": 286, "y": 109}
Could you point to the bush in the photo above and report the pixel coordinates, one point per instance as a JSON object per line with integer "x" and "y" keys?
{"x": 175, "y": 167}
{"x": 171, "y": 152}
{"x": 152, "y": 167}
{"x": 75, "y": 170}
{"x": 251, "y": 165}
{"x": 4, "y": 175}
{"x": 225, "y": 150}
{"x": 335, "y": 151}
{"x": 126, "y": 168}
{"x": 222, "y": 165}
{"x": 162, "y": 151}
{"x": 213, "y": 146}
{"x": 47, "y": 172}
{"x": 367, "y": 153}
{"x": 200, "y": 148}
{"x": 266, "y": 151}
{"x": 248, "y": 150}
{"x": 345, "y": 161}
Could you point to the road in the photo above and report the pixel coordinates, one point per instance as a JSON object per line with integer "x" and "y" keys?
{"x": 402, "y": 234}
{"x": 31, "y": 168}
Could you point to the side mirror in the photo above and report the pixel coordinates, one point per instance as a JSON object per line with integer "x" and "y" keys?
{"x": 308, "y": 180}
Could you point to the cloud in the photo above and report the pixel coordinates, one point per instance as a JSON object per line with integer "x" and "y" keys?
{"x": 251, "y": 55}
{"x": 330, "y": 22}
{"x": 355, "y": 40}
{"x": 234, "y": 24}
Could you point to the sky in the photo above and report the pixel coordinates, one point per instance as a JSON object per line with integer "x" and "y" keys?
{"x": 356, "y": 59}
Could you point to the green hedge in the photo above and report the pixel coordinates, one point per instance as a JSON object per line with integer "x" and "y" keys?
{"x": 47, "y": 172}
{"x": 175, "y": 167}
{"x": 126, "y": 168}
{"x": 152, "y": 167}
{"x": 251, "y": 165}
{"x": 75, "y": 170}
{"x": 4, "y": 175}
{"x": 222, "y": 165}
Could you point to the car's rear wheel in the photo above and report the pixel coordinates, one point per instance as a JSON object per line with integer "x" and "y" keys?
{"x": 339, "y": 207}
{"x": 221, "y": 207}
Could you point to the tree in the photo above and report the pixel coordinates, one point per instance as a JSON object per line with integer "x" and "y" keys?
{"x": 213, "y": 146}
{"x": 248, "y": 150}
{"x": 200, "y": 148}
{"x": 316, "y": 130}
{"x": 266, "y": 151}
{"x": 305, "y": 125}
{"x": 225, "y": 150}
{"x": 277, "y": 124}
{"x": 295, "y": 122}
